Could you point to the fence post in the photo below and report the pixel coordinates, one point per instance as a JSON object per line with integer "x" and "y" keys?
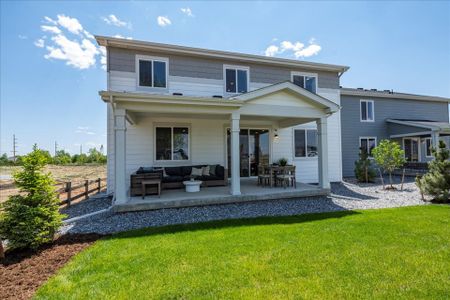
{"x": 86, "y": 189}
{"x": 99, "y": 187}
{"x": 69, "y": 192}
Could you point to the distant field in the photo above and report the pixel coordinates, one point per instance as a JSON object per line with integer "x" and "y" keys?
{"x": 76, "y": 174}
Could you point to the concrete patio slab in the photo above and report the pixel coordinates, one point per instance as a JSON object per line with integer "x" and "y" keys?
{"x": 250, "y": 191}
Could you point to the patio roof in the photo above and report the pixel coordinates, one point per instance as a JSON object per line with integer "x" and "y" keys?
{"x": 404, "y": 127}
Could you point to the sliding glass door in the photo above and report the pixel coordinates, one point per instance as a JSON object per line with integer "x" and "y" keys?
{"x": 411, "y": 147}
{"x": 253, "y": 150}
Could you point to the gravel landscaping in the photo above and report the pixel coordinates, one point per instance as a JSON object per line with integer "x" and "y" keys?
{"x": 348, "y": 195}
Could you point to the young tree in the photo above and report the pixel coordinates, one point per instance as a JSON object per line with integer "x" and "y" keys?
{"x": 31, "y": 218}
{"x": 363, "y": 167}
{"x": 96, "y": 156}
{"x": 437, "y": 181}
{"x": 389, "y": 156}
{"x": 62, "y": 158}
{"x": 4, "y": 161}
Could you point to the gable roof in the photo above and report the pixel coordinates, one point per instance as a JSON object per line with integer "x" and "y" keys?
{"x": 107, "y": 41}
{"x": 288, "y": 86}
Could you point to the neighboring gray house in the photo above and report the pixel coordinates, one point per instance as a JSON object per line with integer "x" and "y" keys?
{"x": 368, "y": 116}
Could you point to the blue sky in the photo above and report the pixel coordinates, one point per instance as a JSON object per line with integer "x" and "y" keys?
{"x": 50, "y": 78}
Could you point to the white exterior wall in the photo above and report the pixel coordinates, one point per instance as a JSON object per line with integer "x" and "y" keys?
{"x": 207, "y": 137}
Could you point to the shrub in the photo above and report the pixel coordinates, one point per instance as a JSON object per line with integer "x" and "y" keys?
{"x": 364, "y": 171}
{"x": 31, "y": 218}
{"x": 62, "y": 158}
{"x": 436, "y": 182}
{"x": 389, "y": 156}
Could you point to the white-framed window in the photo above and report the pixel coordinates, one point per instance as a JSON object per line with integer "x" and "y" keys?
{"x": 237, "y": 79}
{"x": 172, "y": 143}
{"x": 151, "y": 72}
{"x": 367, "y": 111}
{"x": 367, "y": 144}
{"x": 305, "y": 143}
{"x": 308, "y": 81}
{"x": 428, "y": 146}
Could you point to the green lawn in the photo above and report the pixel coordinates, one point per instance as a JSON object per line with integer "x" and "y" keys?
{"x": 389, "y": 253}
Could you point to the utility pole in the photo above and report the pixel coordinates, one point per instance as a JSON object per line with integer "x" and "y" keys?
{"x": 14, "y": 151}
{"x": 81, "y": 149}
{"x": 56, "y": 147}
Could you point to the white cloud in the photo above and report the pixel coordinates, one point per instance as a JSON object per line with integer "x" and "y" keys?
{"x": 102, "y": 57}
{"x": 71, "y": 24}
{"x": 122, "y": 37}
{"x": 187, "y": 11}
{"x": 297, "y": 49}
{"x": 52, "y": 29}
{"x": 22, "y": 37}
{"x": 79, "y": 55}
{"x": 271, "y": 50}
{"x": 163, "y": 21}
{"x": 115, "y": 21}
{"x": 311, "y": 50}
{"x": 84, "y": 130}
{"x": 77, "y": 51}
{"x": 39, "y": 43}
{"x": 50, "y": 20}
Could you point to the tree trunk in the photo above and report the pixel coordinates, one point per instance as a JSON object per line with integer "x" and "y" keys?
{"x": 2, "y": 251}
{"x": 390, "y": 180}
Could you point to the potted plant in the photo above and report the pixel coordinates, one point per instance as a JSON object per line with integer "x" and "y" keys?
{"x": 282, "y": 161}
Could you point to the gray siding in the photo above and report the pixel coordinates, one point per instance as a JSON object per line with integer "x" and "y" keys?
{"x": 190, "y": 66}
{"x": 384, "y": 108}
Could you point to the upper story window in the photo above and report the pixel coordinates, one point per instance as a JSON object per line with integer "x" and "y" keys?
{"x": 367, "y": 111}
{"x": 151, "y": 71}
{"x": 307, "y": 81}
{"x": 236, "y": 79}
{"x": 305, "y": 143}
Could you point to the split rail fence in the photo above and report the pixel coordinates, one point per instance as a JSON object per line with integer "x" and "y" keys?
{"x": 75, "y": 192}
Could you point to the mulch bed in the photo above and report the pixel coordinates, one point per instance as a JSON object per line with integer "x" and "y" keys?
{"x": 23, "y": 271}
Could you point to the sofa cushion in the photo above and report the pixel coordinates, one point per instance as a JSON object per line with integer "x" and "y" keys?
{"x": 197, "y": 171}
{"x": 186, "y": 170}
{"x": 205, "y": 171}
{"x": 174, "y": 171}
{"x": 212, "y": 170}
{"x": 220, "y": 172}
{"x": 144, "y": 170}
{"x": 172, "y": 179}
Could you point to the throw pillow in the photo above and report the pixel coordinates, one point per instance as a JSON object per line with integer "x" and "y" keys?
{"x": 212, "y": 170}
{"x": 205, "y": 171}
{"x": 197, "y": 172}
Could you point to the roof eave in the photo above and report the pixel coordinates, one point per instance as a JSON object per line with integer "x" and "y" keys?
{"x": 135, "y": 44}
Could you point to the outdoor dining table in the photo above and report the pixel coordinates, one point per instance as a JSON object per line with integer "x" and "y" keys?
{"x": 272, "y": 170}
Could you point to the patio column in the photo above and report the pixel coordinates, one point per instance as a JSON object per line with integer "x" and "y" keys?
{"x": 235, "y": 188}
{"x": 435, "y": 139}
{"x": 120, "y": 190}
{"x": 322, "y": 134}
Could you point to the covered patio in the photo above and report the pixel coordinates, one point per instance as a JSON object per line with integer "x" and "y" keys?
{"x": 250, "y": 191}
{"x": 275, "y": 107}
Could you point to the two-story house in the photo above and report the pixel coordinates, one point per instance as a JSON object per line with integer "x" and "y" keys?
{"x": 416, "y": 122}
{"x": 172, "y": 106}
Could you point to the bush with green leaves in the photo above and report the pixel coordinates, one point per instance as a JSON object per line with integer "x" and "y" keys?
{"x": 389, "y": 156}
{"x": 436, "y": 182}
{"x": 31, "y": 218}
{"x": 62, "y": 158}
{"x": 364, "y": 171}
